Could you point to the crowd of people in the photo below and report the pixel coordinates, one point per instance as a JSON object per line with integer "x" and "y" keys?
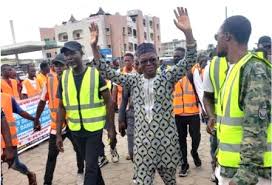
{"x": 229, "y": 89}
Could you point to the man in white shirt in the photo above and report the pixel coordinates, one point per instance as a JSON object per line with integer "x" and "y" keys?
{"x": 187, "y": 96}
{"x": 30, "y": 85}
{"x": 209, "y": 103}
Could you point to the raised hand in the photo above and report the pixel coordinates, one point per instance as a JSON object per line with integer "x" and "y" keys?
{"x": 182, "y": 20}
{"x": 94, "y": 34}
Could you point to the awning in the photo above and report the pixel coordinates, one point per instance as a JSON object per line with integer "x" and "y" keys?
{"x": 30, "y": 46}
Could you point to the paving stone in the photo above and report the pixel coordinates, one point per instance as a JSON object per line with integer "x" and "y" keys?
{"x": 114, "y": 173}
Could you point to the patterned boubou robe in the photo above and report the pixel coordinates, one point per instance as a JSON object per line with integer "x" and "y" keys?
{"x": 156, "y": 145}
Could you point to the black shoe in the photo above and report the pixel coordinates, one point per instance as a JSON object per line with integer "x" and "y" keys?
{"x": 102, "y": 161}
{"x": 197, "y": 160}
{"x": 184, "y": 170}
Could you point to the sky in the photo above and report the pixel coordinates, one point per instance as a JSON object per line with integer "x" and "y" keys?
{"x": 206, "y": 17}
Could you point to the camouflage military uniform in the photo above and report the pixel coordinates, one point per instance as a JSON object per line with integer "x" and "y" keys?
{"x": 255, "y": 100}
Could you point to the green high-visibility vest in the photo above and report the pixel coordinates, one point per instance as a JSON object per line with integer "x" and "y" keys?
{"x": 230, "y": 130}
{"x": 91, "y": 107}
{"x": 260, "y": 54}
{"x": 218, "y": 69}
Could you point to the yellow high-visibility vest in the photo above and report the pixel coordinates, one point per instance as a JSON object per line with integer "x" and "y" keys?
{"x": 230, "y": 131}
{"x": 218, "y": 69}
{"x": 91, "y": 107}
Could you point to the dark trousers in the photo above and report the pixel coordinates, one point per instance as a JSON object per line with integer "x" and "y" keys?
{"x": 213, "y": 144}
{"x": 182, "y": 123}
{"x": 53, "y": 153}
{"x": 91, "y": 147}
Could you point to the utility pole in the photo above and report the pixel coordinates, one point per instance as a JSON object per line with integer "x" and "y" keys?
{"x": 14, "y": 41}
{"x": 226, "y": 12}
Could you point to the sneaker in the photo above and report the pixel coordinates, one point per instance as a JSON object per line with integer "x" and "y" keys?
{"x": 80, "y": 179}
{"x": 213, "y": 178}
{"x": 134, "y": 180}
{"x": 197, "y": 160}
{"x": 114, "y": 155}
{"x": 102, "y": 161}
{"x": 128, "y": 157}
{"x": 184, "y": 170}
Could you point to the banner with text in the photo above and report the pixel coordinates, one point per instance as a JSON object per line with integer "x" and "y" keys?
{"x": 26, "y": 136}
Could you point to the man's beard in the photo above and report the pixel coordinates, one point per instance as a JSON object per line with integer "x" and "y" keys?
{"x": 222, "y": 54}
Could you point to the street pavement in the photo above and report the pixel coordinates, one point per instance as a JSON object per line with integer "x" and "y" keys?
{"x": 113, "y": 173}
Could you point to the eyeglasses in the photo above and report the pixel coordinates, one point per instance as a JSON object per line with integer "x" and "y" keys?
{"x": 150, "y": 60}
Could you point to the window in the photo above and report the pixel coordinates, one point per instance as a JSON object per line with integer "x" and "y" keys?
{"x": 130, "y": 46}
{"x": 151, "y": 36}
{"x": 109, "y": 46}
{"x": 135, "y": 46}
{"x": 158, "y": 26}
{"x": 145, "y": 35}
{"x": 48, "y": 55}
{"x": 77, "y": 34}
{"x": 133, "y": 19}
{"x": 129, "y": 31}
{"x": 134, "y": 33}
{"x": 54, "y": 38}
{"x": 144, "y": 23}
{"x": 124, "y": 31}
{"x": 151, "y": 24}
{"x": 108, "y": 31}
{"x": 63, "y": 37}
{"x": 159, "y": 38}
{"x": 125, "y": 47}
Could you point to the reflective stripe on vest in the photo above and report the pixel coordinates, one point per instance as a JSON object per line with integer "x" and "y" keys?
{"x": 6, "y": 104}
{"x": 52, "y": 86}
{"x": 185, "y": 100}
{"x": 31, "y": 91}
{"x": 91, "y": 108}
{"x": 230, "y": 131}
{"x": 217, "y": 71}
{"x": 11, "y": 90}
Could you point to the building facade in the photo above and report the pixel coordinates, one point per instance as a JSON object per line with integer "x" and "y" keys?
{"x": 117, "y": 33}
{"x": 48, "y": 35}
{"x": 167, "y": 48}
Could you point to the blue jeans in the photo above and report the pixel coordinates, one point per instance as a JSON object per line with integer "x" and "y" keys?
{"x": 18, "y": 166}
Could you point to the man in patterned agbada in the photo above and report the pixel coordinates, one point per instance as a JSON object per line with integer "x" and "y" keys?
{"x": 156, "y": 146}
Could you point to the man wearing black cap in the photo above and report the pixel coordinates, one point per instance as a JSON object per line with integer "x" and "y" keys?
{"x": 86, "y": 104}
{"x": 156, "y": 146}
{"x": 264, "y": 48}
{"x": 49, "y": 94}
